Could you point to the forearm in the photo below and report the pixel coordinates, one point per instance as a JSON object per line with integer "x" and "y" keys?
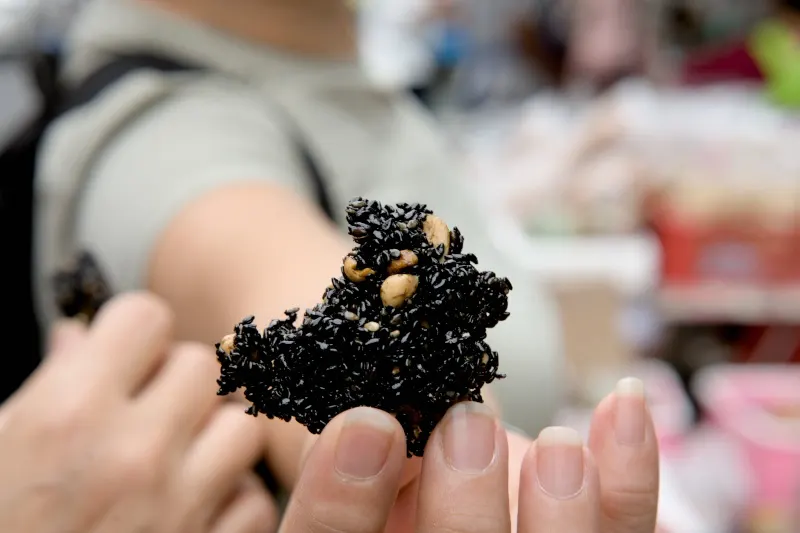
{"x": 247, "y": 250}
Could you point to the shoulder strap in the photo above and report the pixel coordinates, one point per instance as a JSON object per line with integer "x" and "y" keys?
{"x": 119, "y": 67}
{"x": 112, "y": 72}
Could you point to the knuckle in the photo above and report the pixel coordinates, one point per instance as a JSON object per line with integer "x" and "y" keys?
{"x": 137, "y": 462}
{"x": 63, "y": 423}
{"x": 338, "y": 517}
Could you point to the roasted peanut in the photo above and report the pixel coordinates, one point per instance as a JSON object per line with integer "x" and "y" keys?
{"x": 353, "y": 273}
{"x": 398, "y": 288}
{"x": 407, "y": 259}
{"x": 227, "y": 343}
{"x": 437, "y": 232}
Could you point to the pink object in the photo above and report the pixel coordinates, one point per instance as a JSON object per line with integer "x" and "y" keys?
{"x": 759, "y": 407}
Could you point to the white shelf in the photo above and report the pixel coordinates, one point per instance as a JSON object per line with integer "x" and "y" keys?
{"x": 743, "y": 305}
{"x": 631, "y": 263}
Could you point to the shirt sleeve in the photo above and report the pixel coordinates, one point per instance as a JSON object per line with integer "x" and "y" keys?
{"x": 203, "y": 136}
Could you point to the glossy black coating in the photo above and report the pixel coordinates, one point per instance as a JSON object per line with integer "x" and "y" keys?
{"x": 426, "y": 356}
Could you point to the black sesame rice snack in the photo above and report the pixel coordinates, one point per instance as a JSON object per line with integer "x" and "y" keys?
{"x": 81, "y": 289}
{"x": 402, "y": 330}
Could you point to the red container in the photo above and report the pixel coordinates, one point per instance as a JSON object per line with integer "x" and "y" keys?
{"x": 741, "y": 251}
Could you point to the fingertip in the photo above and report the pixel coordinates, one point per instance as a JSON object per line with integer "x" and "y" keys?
{"x": 464, "y": 484}
{"x": 141, "y": 309}
{"x": 369, "y": 442}
{"x": 624, "y": 416}
{"x": 358, "y": 445}
{"x": 629, "y": 387}
{"x": 632, "y": 423}
{"x": 559, "y": 484}
{"x": 560, "y": 465}
{"x": 375, "y": 418}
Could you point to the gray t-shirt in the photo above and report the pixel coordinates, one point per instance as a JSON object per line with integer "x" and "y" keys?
{"x": 113, "y": 173}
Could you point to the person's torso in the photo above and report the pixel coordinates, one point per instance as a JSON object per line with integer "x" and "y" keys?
{"x": 366, "y": 141}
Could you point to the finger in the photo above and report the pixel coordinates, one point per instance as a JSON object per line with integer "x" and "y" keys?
{"x": 464, "y": 482}
{"x": 559, "y": 486}
{"x": 183, "y": 394}
{"x": 351, "y": 477}
{"x": 129, "y": 340}
{"x": 490, "y": 399}
{"x": 518, "y": 446}
{"x": 58, "y": 373}
{"x": 411, "y": 468}
{"x": 251, "y": 511}
{"x": 624, "y": 443}
{"x": 65, "y": 335}
{"x": 225, "y": 451}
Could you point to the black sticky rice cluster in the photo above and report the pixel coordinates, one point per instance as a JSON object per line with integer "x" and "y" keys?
{"x": 413, "y": 351}
{"x": 81, "y": 289}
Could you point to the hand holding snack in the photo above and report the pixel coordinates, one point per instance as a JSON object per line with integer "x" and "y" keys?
{"x": 402, "y": 333}
{"x": 425, "y": 334}
{"x": 474, "y": 471}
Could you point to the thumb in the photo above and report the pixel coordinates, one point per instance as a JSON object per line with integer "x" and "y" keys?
{"x": 351, "y": 477}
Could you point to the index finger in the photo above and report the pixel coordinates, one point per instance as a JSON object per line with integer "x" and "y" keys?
{"x": 128, "y": 341}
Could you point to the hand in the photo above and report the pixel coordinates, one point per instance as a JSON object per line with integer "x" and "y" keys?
{"x": 120, "y": 431}
{"x": 354, "y": 471}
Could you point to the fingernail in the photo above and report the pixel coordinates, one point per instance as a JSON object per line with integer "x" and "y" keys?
{"x": 364, "y": 443}
{"x": 469, "y": 435}
{"x": 630, "y": 412}
{"x": 559, "y": 462}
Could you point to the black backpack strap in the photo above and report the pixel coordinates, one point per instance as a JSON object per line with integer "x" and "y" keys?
{"x": 119, "y": 67}
{"x": 112, "y": 72}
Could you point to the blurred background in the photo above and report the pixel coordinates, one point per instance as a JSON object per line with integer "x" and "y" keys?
{"x": 640, "y": 158}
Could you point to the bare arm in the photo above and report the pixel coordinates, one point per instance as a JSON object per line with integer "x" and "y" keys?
{"x": 273, "y": 251}
{"x": 268, "y": 251}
